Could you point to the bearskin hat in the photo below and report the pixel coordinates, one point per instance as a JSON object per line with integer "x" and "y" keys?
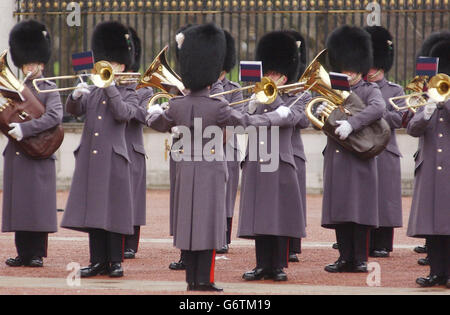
{"x": 230, "y": 55}
{"x": 113, "y": 42}
{"x": 278, "y": 52}
{"x": 201, "y": 55}
{"x": 137, "y": 50}
{"x": 438, "y": 45}
{"x": 383, "y": 48}
{"x": 350, "y": 49}
{"x": 301, "y": 44}
{"x": 30, "y": 42}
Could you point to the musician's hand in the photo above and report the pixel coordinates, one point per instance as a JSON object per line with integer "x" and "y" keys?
{"x": 82, "y": 88}
{"x": 175, "y": 132}
{"x": 16, "y": 131}
{"x": 252, "y": 104}
{"x": 283, "y": 111}
{"x": 165, "y": 105}
{"x": 429, "y": 110}
{"x": 321, "y": 108}
{"x": 344, "y": 129}
{"x": 155, "y": 109}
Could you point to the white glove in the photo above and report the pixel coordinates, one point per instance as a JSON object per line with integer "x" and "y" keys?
{"x": 283, "y": 111}
{"x": 344, "y": 129}
{"x": 82, "y": 88}
{"x": 16, "y": 131}
{"x": 175, "y": 132}
{"x": 155, "y": 109}
{"x": 429, "y": 110}
{"x": 164, "y": 105}
{"x": 321, "y": 108}
{"x": 252, "y": 104}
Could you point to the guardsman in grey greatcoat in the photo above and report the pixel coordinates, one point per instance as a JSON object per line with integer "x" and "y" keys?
{"x": 101, "y": 200}
{"x": 271, "y": 206}
{"x": 429, "y": 217}
{"x": 350, "y": 197}
{"x": 231, "y": 145}
{"x": 29, "y": 195}
{"x": 136, "y": 151}
{"x": 388, "y": 162}
{"x": 295, "y": 244}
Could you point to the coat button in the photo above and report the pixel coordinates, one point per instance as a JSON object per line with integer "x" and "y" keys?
{"x": 265, "y": 110}
{"x": 104, "y": 102}
{"x": 261, "y": 160}
{"x": 262, "y": 143}
{"x": 441, "y": 119}
{"x": 96, "y": 134}
{"x": 439, "y": 150}
{"x": 94, "y": 152}
{"x": 439, "y": 168}
{"x": 17, "y": 153}
{"x": 213, "y": 151}
{"x": 337, "y": 151}
{"x": 99, "y": 117}
{"x": 440, "y": 135}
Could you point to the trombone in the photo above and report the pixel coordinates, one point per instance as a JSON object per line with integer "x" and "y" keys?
{"x": 102, "y": 76}
{"x": 438, "y": 91}
{"x": 266, "y": 91}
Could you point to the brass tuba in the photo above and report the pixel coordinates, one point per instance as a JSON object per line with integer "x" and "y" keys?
{"x": 160, "y": 75}
{"x": 19, "y": 104}
{"x": 365, "y": 143}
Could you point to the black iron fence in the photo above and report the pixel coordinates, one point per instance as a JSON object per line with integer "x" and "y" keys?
{"x": 410, "y": 21}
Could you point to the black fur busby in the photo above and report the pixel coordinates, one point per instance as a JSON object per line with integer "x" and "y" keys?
{"x": 383, "y": 47}
{"x": 438, "y": 45}
{"x": 30, "y": 42}
{"x": 137, "y": 50}
{"x": 113, "y": 42}
{"x": 201, "y": 55}
{"x": 350, "y": 49}
{"x": 230, "y": 55}
{"x": 301, "y": 45}
{"x": 278, "y": 52}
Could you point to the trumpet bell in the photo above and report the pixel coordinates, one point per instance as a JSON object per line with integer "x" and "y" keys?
{"x": 439, "y": 87}
{"x": 102, "y": 74}
{"x": 266, "y": 91}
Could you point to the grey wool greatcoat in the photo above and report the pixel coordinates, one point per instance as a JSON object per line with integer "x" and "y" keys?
{"x": 350, "y": 192}
{"x": 431, "y": 200}
{"x": 388, "y": 163}
{"x": 29, "y": 185}
{"x": 271, "y": 202}
{"x": 232, "y": 146}
{"x": 136, "y": 151}
{"x": 100, "y": 196}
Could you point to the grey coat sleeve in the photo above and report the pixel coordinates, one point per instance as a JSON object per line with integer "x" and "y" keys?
{"x": 161, "y": 122}
{"x": 373, "y": 111}
{"x": 123, "y": 109}
{"x": 77, "y": 107}
{"x": 51, "y": 118}
{"x": 417, "y": 125}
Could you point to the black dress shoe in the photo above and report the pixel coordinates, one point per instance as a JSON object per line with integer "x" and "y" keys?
{"x": 116, "y": 270}
{"x": 279, "y": 275}
{"x": 94, "y": 270}
{"x": 360, "y": 267}
{"x": 293, "y": 257}
{"x": 339, "y": 266}
{"x": 16, "y": 262}
{"x": 335, "y": 246}
{"x": 424, "y": 261}
{"x": 420, "y": 249}
{"x": 380, "y": 253}
{"x": 129, "y": 254}
{"x": 207, "y": 287}
{"x": 431, "y": 281}
{"x": 36, "y": 262}
{"x": 257, "y": 274}
{"x": 177, "y": 265}
{"x": 223, "y": 250}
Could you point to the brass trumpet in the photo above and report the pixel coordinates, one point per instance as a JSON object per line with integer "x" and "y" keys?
{"x": 438, "y": 91}
{"x": 102, "y": 76}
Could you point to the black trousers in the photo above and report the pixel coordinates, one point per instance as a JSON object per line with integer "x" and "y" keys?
{"x": 199, "y": 266}
{"x": 439, "y": 254}
{"x": 271, "y": 251}
{"x": 295, "y": 245}
{"x": 132, "y": 241}
{"x": 105, "y": 247}
{"x": 353, "y": 242}
{"x": 31, "y": 244}
{"x": 382, "y": 238}
{"x": 229, "y": 226}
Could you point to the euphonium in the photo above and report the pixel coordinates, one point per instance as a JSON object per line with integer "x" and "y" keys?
{"x": 19, "y": 104}
{"x": 365, "y": 143}
{"x": 436, "y": 90}
{"x": 160, "y": 75}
